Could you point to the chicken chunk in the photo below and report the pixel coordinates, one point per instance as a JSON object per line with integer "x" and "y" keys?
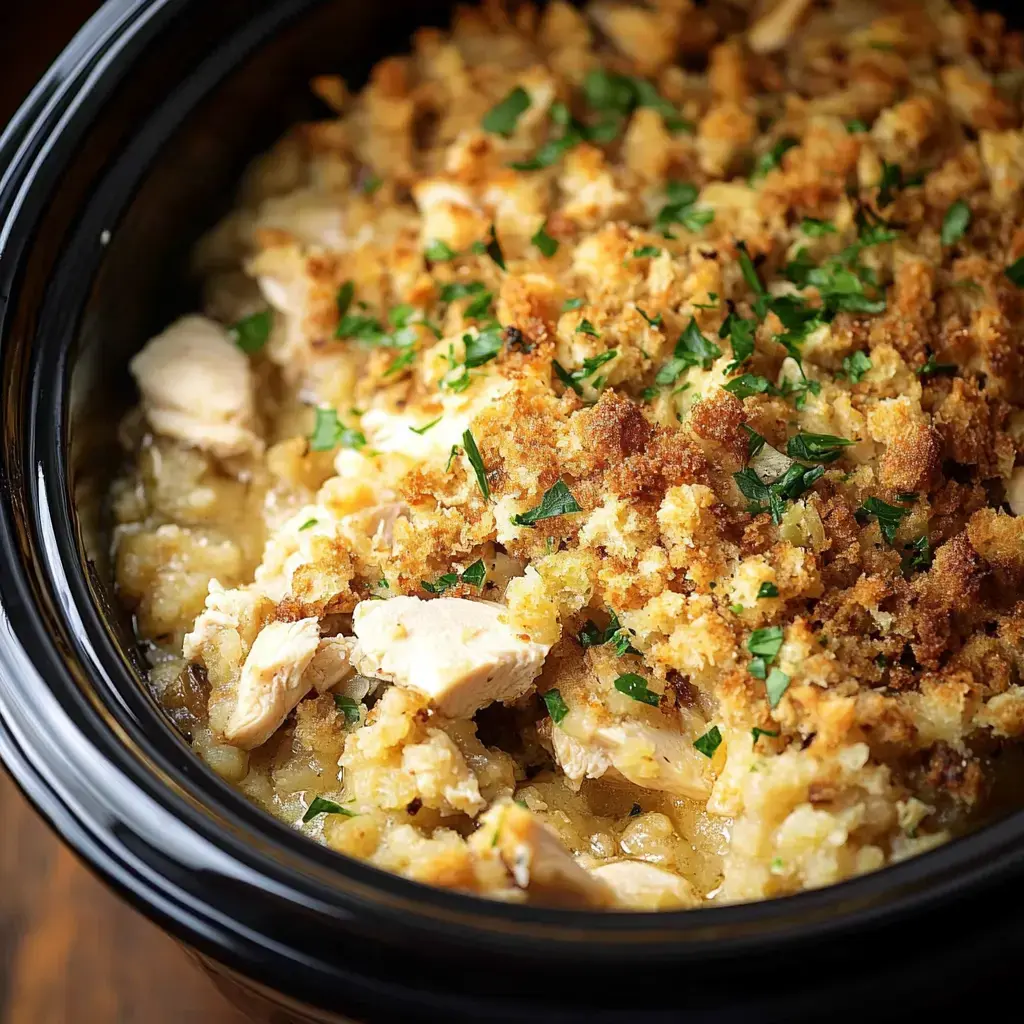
{"x": 286, "y": 661}
{"x": 607, "y": 730}
{"x": 642, "y": 886}
{"x": 461, "y": 654}
{"x": 197, "y": 387}
{"x": 536, "y": 858}
{"x": 774, "y": 28}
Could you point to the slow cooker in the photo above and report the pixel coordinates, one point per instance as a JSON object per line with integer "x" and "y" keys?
{"x": 126, "y": 150}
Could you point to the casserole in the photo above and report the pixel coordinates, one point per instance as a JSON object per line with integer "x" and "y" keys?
{"x": 96, "y": 165}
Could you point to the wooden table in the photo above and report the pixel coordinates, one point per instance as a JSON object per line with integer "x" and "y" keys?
{"x": 70, "y": 951}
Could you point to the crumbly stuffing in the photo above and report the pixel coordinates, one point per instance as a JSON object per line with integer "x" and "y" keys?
{"x": 689, "y": 338}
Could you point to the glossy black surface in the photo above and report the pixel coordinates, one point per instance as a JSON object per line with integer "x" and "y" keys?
{"x": 140, "y": 131}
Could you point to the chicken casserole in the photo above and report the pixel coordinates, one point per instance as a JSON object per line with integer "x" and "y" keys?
{"x": 592, "y": 476}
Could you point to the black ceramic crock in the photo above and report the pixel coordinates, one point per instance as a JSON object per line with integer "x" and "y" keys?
{"x": 120, "y": 157}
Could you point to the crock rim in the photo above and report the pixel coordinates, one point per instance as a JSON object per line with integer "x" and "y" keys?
{"x": 119, "y": 30}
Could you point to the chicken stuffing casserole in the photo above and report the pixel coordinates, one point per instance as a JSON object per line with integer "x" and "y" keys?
{"x": 596, "y": 476}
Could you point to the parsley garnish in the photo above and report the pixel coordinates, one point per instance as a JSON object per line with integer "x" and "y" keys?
{"x": 473, "y": 576}
{"x": 775, "y": 686}
{"x": 547, "y": 245}
{"x": 570, "y": 304}
{"x": 653, "y": 321}
{"x": 348, "y": 707}
{"x": 557, "y": 501}
{"x": 370, "y": 184}
{"x": 932, "y": 366}
{"x": 755, "y": 442}
{"x": 817, "y": 447}
{"x": 329, "y": 432}
{"x": 855, "y": 366}
{"x": 889, "y": 516}
{"x": 473, "y": 454}
{"x": 679, "y": 209}
{"x": 586, "y": 327}
{"x": 251, "y": 332}
{"x": 426, "y": 426}
{"x": 709, "y": 742}
{"x": 749, "y": 384}
{"x": 758, "y": 732}
{"x": 461, "y": 289}
{"x": 451, "y": 457}
{"x": 557, "y": 707}
{"x": 635, "y": 686}
{"x": 502, "y": 117}
{"x": 767, "y": 590}
{"x": 590, "y": 366}
{"x": 891, "y": 181}
{"x": 552, "y": 151}
{"x": 308, "y": 525}
{"x": 490, "y": 248}
{"x": 773, "y": 158}
{"x": 591, "y": 635}
{"x": 692, "y": 349}
{"x": 645, "y": 252}
{"x": 740, "y": 333}
{"x": 814, "y": 228}
{"x": 322, "y": 806}
{"x": 1015, "y": 272}
{"x": 482, "y": 348}
{"x": 766, "y": 642}
{"x": 439, "y": 252}
{"x": 956, "y": 222}
{"x": 855, "y": 126}
{"x": 618, "y": 95}
{"x": 772, "y": 497}
{"x": 401, "y": 362}
{"x": 344, "y": 297}
{"x": 918, "y": 554}
{"x": 359, "y": 326}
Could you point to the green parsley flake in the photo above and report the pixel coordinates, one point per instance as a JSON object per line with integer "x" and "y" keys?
{"x": 401, "y": 362}
{"x": 709, "y": 742}
{"x": 817, "y": 447}
{"x": 765, "y": 642}
{"x": 329, "y": 433}
{"x": 855, "y": 126}
{"x": 1015, "y": 272}
{"x": 773, "y": 158}
{"x": 557, "y": 708}
{"x": 645, "y": 252}
{"x": 737, "y": 609}
{"x": 749, "y": 384}
{"x": 767, "y": 590}
{"x": 932, "y": 367}
{"x": 308, "y": 525}
{"x": 814, "y": 228}
{"x": 692, "y": 349}
{"x": 475, "y": 460}
{"x": 570, "y": 304}
{"x": 855, "y": 366}
{"x": 889, "y": 516}
{"x": 592, "y": 635}
{"x": 654, "y": 321}
{"x": 590, "y": 366}
{"x": 502, "y": 117}
{"x": 956, "y": 222}
{"x": 547, "y": 245}
{"x": 680, "y": 209}
{"x": 635, "y": 686}
{"x": 348, "y": 707}
{"x": 461, "y": 290}
{"x": 482, "y": 347}
{"x": 426, "y": 426}
{"x": 775, "y": 686}
{"x": 322, "y": 806}
{"x": 586, "y": 327}
{"x": 439, "y": 252}
{"x": 757, "y": 733}
{"x": 771, "y": 498}
{"x": 346, "y": 293}
{"x": 250, "y": 333}
{"x": 479, "y": 307}
{"x": 557, "y": 501}
{"x": 475, "y": 574}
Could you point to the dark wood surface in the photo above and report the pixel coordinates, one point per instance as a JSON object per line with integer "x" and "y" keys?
{"x": 70, "y": 951}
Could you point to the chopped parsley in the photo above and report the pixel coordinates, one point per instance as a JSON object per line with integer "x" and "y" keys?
{"x": 750, "y": 384}
{"x": 473, "y": 576}
{"x": 645, "y": 252}
{"x": 757, "y": 733}
{"x": 475, "y": 460}
{"x": 250, "y": 333}
{"x": 889, "y": 516}
{"x": 426, "y": 426}
{"x": 592, "y": 635}
{"x": 479, "y": 307}
{"x": 654, "y": 321}
{"x": 814, "y": 228}
{"x": 557, "y": 501}
{"x": 932, "y": 366}
{"x": 461, "y": 290}
{"x": 346, "y": 293}
{"x": 766, "y": 642}
{"x": 635, "y": 686}
{"x": 817, "y": 447}
{"x": 618, "y": 95}
{"x": 555, "y": 148}
{"x": 855, "y": 366}
{"x": 348, "y": 707}
{"x": 329, "y": 433}
{"x": 772, "y": 497}
{"x": 740, "y": 333}
{"x": 737, "y": 609}
{"x": 490, "y": 248}
{"x": 956, "y": 222}
{"x": 918, "y": 554}
{"x": 370, "y": 184}
{"x": 856, "y": 125}
{"x": 586, "y": 327}
{"x": 451, "y": 457}
{"x": 692, "y": 349}
{"x": 891, "y": 181}
{"x": 548, "y": 246}
{"x": 773, "y": 158}
{"x": 401, "y": 362}
{"x": 709, "y": 742}
{"x": 439, "y": 252}
{"x": 502, "y": 117}
{"x": 361, "y": 327}
{"x": 767, "y": 590}
{"x": 557, "y": 708}
{"x": 570, "y": 304}
{"x": 308, "y": 525}
{"x": 1015, "y": 272}
{"x": 591, "y": 365}
{"x": 755, "y": 442}
{"x": 322, "y": 806}
{"x": 775, "y": 686}
{"x": 482, "y": 347}
{"x": 680, "y": 209}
